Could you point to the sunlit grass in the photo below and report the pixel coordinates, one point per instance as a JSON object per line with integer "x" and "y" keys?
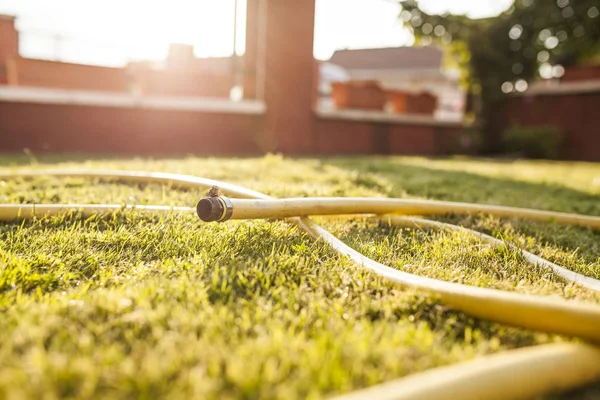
{"x": 169, "y": 307}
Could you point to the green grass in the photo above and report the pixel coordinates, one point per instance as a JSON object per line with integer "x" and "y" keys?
{"x": 168, "y": 307}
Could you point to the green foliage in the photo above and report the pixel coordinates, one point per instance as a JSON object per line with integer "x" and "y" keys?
{"x": 508, "y": 52}
{"x": 169, "y": 307}
{"x": 533, "y": 141}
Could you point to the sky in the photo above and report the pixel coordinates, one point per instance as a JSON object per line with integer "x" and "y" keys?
{"x": 112, "y": 32}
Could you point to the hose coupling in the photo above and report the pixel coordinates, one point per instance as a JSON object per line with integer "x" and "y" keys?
{"x": 217, "y": 208}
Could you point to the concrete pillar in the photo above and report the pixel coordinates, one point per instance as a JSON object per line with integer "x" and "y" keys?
{"x": 9, "y": 44}
{"x": 285, "y": 58}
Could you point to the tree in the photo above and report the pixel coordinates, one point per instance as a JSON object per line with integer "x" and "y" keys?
{"x": 534, "y": 38}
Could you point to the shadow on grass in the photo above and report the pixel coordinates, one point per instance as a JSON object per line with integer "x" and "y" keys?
{"x": 448, "y": 185}
{"x": 391, "y": 177}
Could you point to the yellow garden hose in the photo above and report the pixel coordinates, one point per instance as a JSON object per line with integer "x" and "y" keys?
{"x": 27, "y": 211}
{"x": 285, "y": 208}
{"x": 516, "y": 374}
{"x": 566, "y": 274}
{"x": 556, "y": 316}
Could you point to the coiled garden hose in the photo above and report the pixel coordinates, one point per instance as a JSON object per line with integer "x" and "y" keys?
{"x": 515, "y": 374}
{"x": 511, "y": 375}
{"x": 566, "y": 274}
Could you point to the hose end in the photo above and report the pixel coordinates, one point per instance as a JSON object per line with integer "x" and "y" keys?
{"x": 214, "y": 209}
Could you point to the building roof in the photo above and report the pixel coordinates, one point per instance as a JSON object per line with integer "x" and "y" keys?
{"x": 389, "y": 58}
{"x": 216, "y": 65}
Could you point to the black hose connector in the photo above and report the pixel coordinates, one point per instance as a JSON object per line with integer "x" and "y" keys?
{"x": 214, "y": 209}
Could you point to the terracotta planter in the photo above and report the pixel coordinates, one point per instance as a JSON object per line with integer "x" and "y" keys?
{"x": 584, "y": 73}
{"x": 397, "y": 101}
{"x": 365, "y": 95}
{"x": 421, "y": 103}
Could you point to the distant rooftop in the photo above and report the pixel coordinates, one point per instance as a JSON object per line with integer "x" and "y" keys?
{"x": 200, "y": 64}
{"x": 389, "y": 58}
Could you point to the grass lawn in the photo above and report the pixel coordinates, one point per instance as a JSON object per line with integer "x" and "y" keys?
{"x": 144, "y": 307}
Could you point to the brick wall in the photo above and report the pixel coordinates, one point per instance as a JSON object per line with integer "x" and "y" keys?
{"x": 170, "y": 82}
{"x": 129, "y": 130}
{"x": 341, "y": 137}
{"x": 576, "y": 115}
{"x": 250, "y": 60}
{"x": 75, "y": 128}
{"x": 406, "y": 139}
{"x": 338, "y": 136}
{"x": 289, "y": 70}
{"x": 581, "y": 73}
{"x": 9, "y": 44}
{"x": 52, "y": 74}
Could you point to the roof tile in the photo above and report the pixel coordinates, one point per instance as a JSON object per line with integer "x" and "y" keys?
{"x": 389, "y": 58}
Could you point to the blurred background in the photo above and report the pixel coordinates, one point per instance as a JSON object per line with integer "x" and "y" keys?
{"x": 314, "y": 77}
